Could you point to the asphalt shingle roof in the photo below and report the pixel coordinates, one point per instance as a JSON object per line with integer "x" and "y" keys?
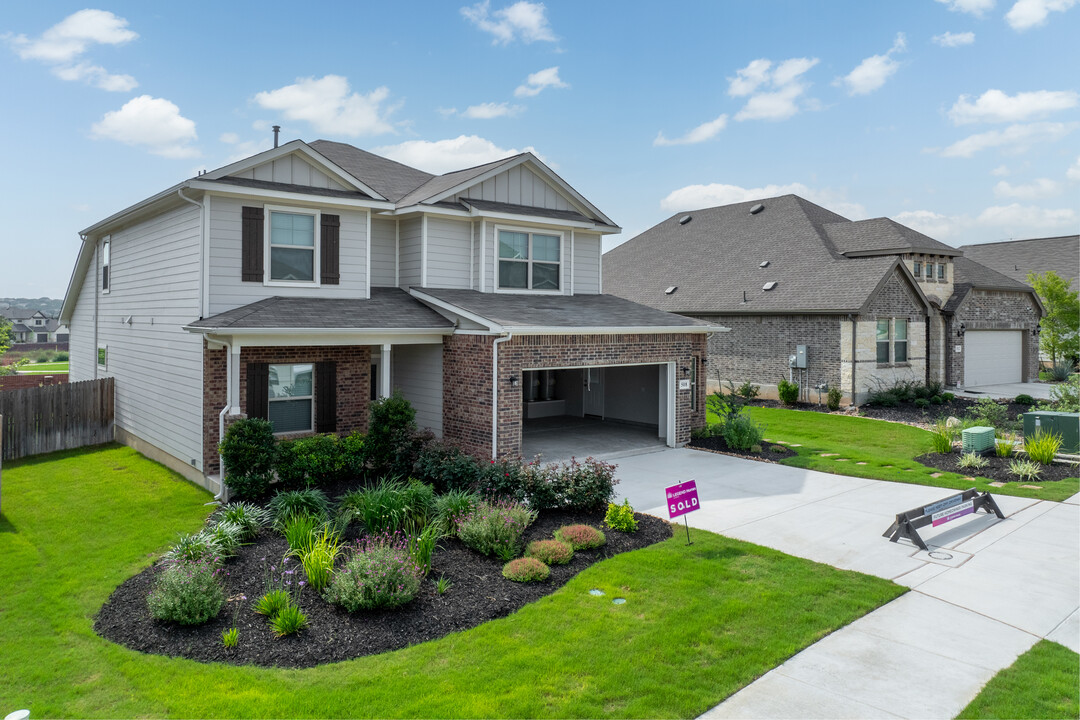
{"x": 388, "y": 308}
{"x": 716, "y": 257}
{"x": 555, "y": 311}
{"x": 1016, "y": 258}
{"x": 492, "y": 206}
{"x": 391, "y": 179}
{"x": 882, "y": 235}
{"x": 289, "y": 187}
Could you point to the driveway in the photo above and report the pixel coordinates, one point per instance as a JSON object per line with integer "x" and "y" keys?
{"x": 989, "y": 591}
{"x": 1037, "y": 390}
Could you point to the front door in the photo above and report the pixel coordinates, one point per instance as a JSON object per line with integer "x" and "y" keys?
{"x": 594, "y": 392}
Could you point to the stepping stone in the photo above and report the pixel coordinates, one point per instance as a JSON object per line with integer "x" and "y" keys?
{"x": 767, "y": 440}
{"x": 907, "y": 469}
{"x": 860, "y": 463}
{"x": 781, "y": 442}
{"x": 830, "y": 454}
{"x": 841, "y": 459}
{"x": 973, "y": 480}
{"x": 993, "y": 484}
{"x": 889, "y": 466}
{"x": 1032, "y": 487}
{"x": 935, "y": 475}
{"x": 793, "y": 445}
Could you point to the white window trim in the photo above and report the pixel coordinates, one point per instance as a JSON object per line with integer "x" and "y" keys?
{"x": 530, "y": 231}
{"x": 270, "y": 399}
{"x": 97, "y": 360}
{"x": 106, "y": 267}
{"x": 894, "y": 340}
{"x": 316, "y": 270}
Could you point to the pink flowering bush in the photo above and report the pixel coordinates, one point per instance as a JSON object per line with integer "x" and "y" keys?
{"x": 526, "y": 570}
{"x": 379, "y": 573}
{"x": 550, "y": 552}
{"x": 580, "y": 537}
{"x": 495, "y": 527}
{"x": 188, "y": 593}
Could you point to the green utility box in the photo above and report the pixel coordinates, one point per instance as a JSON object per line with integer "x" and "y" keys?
{"x": 977, "y": 439}
{"x": 1065, "y": 425}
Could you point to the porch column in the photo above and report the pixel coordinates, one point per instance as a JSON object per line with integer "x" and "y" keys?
{"x": 232, "y": 369}
{"x": 384, "y": 371}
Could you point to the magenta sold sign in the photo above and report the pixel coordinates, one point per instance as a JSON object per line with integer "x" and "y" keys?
{"x": 682, "y": 498}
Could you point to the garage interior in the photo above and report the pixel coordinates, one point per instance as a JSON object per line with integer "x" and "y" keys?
{"x": 595, "y": 411}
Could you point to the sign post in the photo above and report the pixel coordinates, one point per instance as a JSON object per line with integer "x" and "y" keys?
{"x": 682, "y": 499}
{"x": 907, "y": 524}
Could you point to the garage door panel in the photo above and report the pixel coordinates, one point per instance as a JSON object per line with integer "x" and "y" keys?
{"x": 993, "y": 357}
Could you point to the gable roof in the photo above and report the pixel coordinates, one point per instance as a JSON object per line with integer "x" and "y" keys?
{"x": 716, "y": 257}
{"x": 969, "y": 275}
{"x": 391, "y": 179}
{"x": 882, "y": 236}
{"x": 1016, "y": 258}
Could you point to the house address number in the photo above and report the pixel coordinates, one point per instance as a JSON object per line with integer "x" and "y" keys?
{"x": 684, "y": 384}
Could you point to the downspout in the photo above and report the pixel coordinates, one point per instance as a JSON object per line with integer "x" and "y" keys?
{"x": 495, "y": 394}
{"x": 853, "y": 357}
{"x": 221, "y": 420}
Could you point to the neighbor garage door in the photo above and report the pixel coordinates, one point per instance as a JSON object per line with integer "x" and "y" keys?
{"x": 993, "y": 357}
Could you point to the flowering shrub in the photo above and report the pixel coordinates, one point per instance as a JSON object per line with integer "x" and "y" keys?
{"x": 188, "y": 593}
{"x": 379, "y": 574}
{"x": 580, "y": 537}
{"x": 494, "y": 527}
{"x": 526, "y": 570}
{"x": 621, "y": 517}
{"x": 584, "y": 486}
{"x": 550, "y": 552}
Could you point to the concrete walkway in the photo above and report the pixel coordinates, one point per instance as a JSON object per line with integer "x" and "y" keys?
{"x": 988, "y": 592}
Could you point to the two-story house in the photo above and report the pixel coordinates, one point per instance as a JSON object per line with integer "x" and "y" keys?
{"x": 814, "y": 297}
{"x": 300, "y": 283}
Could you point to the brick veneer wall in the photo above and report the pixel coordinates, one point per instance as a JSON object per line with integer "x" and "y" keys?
{"x": 18, "y": 382}
{"x": 993, "y": 310}
{"x": 467, "y": 379}
{"x": 896, "y": 298}
{"x": 353, "y": 386}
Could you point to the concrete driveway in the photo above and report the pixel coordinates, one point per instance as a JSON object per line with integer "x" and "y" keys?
{"x": 990, "y": 589}
{"x": 1037, "y": 390}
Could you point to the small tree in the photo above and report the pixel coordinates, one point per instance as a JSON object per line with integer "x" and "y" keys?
{"x": 1060, "y": 336}
{"x": 7, "y": 335}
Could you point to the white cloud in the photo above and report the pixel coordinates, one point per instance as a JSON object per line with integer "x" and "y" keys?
{"x": 229, "y": 138}
{"x": 244, "y": 149}
{"x": 1013, "y": 139}
{"x": 1013, "y": 219}
{"x": 61, "y": 46}
{"x": 329, "y": 106}
{"x": 993, "y": 223}
{"x": 1073, "y": 173}
{"x": 487, "y": 111}
{"x": 151, "y": 123}
{"x": 974, "y": 7}
{"x": 774, "y": 93}
{"x": 951, "y": 39}
{"x": 539, "y": 81}
{"x": 523, "y": 21}
{"x": 934, "y": 224}
{"x": 1036, "y": 190}
{"x": 1026, "y": 14}
{"x": 442, "y": 156}
{"x": 871, "y": 73}
{"x": 996, "y": 106}
{"x": 693, "y": 197}
{"x": 1000, "y": 171}
{"x": 701, "y": 133}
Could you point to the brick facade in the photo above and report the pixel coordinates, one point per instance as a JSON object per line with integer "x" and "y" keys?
{"x": 467, "y": 365}
{"x": 353, "y": 386}
{"x": 993, "y": 310}
{"x": 18, "y": 382}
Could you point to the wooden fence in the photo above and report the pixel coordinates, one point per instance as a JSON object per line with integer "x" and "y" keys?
{"x": 56, "y": 417}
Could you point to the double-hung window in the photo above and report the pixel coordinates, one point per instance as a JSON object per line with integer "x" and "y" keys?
{"x": 106, "y": 263}
{"x": 941, "y": 271}
{"x": 918, "y": 269}
{"x": 900, "y": 340}
{"x": 293, "y": 246}
{"x": 529, "y": 260}
{"x": 883, "y": 341}
{"x": 290, "y": 401}
{"x": 892, "y": 341}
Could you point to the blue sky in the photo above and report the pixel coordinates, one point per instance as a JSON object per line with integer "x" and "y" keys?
{"x": 960, "y": 118}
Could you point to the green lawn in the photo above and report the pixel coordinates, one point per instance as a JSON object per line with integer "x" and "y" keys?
{"x": 887, "y": 448}
{"x": 699, "y": 623}
{"x": 1044, "y": 682}
{"x": 49, "y": 368}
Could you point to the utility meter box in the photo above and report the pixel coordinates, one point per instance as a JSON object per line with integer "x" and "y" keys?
{"x": 977, "y": 439}
{"x": 800, "y": 356}
{"x": 1064, "y": 425}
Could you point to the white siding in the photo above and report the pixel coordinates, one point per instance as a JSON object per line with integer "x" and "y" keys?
{"x": 383, "y": 252}
{"x": 228, "y": 291}
{"x": 293, "y": 170}
{"x": 83, "y": 350}
{"x": 587, "y": 254}
{"x": 409, "y": 258}
{"x": 417, "y": 372}
{"x": 447, "y": 253}
{"x": 520, "y": 186}
{"x": 154, "y": 281}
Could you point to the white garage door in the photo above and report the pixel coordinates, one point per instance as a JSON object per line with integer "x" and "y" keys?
{"x": 993, "y": 357}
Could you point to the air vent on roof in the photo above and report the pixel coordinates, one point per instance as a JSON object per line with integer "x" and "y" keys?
{"x": 671, "y": 289}
{"x": 769, "y": 285}
{"x": 764, "y": 264}
{"x": 756, "y": 209}
{"x": 685, "y": 219}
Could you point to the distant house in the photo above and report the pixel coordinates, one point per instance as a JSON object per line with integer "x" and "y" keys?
{"x": 34, "y": 326}
{"x": 813, "y": 296}
{"x": 1017, "y": 258}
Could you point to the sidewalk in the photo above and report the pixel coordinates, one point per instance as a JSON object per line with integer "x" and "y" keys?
{"x": 992, "y": 589}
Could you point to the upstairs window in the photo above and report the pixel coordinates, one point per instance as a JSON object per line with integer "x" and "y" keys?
{"x": 292, "y": 241}
{"x": 941, "y": 271}
{"x": 106, "y": 261}
{"x": 918, "y": 269}
{"x": 529, "y": 261}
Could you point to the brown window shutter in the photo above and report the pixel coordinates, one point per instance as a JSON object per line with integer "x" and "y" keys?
{"x": 258, "y": 390}
{"x": 330, "y": 233}
{"x": 252, "y": 245}
{"x": 325, "y": 397}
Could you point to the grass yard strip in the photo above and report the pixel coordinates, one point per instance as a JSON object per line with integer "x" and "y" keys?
{"x": 50, "y": 368}
{"x": 1044, "y": 682}
{"x": 699, "y": 622}
{"x": 887, "y": 448}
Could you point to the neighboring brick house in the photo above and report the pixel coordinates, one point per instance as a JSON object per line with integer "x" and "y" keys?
{"x": 34, "y": 326}
{"x": 872, "y": 302}
{"x": 303, "y": 282}
{"x": 1017, "y": 258}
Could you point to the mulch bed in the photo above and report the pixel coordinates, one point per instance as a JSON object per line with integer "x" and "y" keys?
{"x": 997, "y": 470}
{"x": 770, "y": 452}
{"x": 478, "y": 593}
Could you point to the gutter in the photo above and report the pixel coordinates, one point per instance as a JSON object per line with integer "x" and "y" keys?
{"x": 495, "y": 394}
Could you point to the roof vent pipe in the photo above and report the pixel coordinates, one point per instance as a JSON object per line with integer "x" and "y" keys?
{"x": 685, "y": 219}
{"x": 277, "y": 129}
{"x": 756, "y": 209}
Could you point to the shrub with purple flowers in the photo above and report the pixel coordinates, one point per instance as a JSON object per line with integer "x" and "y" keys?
{"x": 550, "y": 552}
{"x": 585, "y": 486}
{"x": 494, "y": 527}
{"x": 526, "y": 570}
{"x": 188, "y": 593}
{"x": 379, "y": 573}
{"x": 580, "y": 537}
